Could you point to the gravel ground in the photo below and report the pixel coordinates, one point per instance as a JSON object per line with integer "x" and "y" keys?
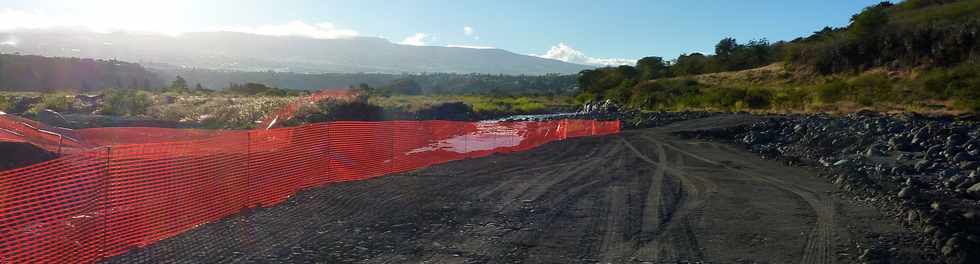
{"x": 922, "y": 170}
{"x": 644, "y": 196}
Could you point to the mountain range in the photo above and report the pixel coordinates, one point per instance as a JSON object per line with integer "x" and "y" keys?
{"x": 248, "y": 52}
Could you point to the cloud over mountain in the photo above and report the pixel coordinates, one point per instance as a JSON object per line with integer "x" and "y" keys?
{"x": 417, "y": 39}
{"x": 322, "y": 30}
{"x": 566, "y": 53}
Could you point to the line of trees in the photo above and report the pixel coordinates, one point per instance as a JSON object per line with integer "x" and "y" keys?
{"x": 617, "y": 83}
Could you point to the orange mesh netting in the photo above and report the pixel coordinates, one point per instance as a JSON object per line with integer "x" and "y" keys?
{"x": 105, "y": 197}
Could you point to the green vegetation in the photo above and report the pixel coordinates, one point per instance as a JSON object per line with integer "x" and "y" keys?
{"x": 960, "y": 83}
{"x": 953, "y": 89}
{"x": 428, "y": 83}
{"x": 484, "y": 106}
{"x": 125, "y": 102}
{"x": 258, "y": 89}
{"x": 216, "y": 110}
{"x": 6, "y": 103}
{"x": 925, "y": 33}
{"x": 54, "y": 74}
{"x": 57, "y": 102}
{"x": 337, "y": 110}
{"x": 916, "y": 55}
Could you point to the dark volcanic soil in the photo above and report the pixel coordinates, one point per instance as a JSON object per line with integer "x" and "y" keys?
{"x": 925, "y": 171}
{"x": 18, "y": 154}
{"x": 642, "y": 196}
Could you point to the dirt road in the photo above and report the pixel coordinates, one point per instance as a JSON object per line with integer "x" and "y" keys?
{"x": 642, "y": 196}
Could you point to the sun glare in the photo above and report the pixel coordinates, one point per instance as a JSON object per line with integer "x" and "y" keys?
{"x": 119, "y": 15}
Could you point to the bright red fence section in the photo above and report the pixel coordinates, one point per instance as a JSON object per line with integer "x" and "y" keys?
{"x": 105, "y": 200}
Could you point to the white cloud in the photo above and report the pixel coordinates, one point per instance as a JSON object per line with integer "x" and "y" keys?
{"x": 418, "y": 39}
{"x": 322, "y": 30}
{"x": 108, "y": 19}
{"x": 469, "y": 47}
{"x": 566, "y": 53}
{"x": 470, "y": 32}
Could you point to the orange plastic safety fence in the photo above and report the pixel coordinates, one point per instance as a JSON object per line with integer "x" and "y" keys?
{"x": 104, "y": 201}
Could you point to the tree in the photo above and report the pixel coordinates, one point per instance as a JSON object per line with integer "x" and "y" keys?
{"x": 364, "y": 91}
{"x": 179, "y": 85}
{"x": 726, "y": 47}
{"x": 872, "y": 19}
{"x": 690, "y": 64}
{"x": 652, "y": 68}
{"x": 125, "y": 102}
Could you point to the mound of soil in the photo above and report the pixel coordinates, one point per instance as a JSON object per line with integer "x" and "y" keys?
{"x": 16, "y": 154}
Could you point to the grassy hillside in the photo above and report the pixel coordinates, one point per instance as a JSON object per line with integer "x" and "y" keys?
{"x": 918, "y": 55}
{"x": 777, "y": 88}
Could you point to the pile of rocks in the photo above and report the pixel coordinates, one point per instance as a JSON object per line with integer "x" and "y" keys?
{"x": 925, "y": 168}
{"x": 603, "y": 106}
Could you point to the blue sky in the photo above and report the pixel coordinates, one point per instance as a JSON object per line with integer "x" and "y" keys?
{"x": 590, "y": 31}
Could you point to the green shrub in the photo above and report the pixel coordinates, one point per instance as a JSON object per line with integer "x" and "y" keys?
{"x": 341, "y": 110}
{"x": 725, "y": 98}
{"x": 584, "y": 97}
{"x": 53, "y": 102}
{"x": 959, "y": 83}
{"x": 831, "y": 92}
{"x": 126, "y": 102}
{"x": 665, "y": 94}
{"x": 6, "y": 104}
{"x": 870, "y": 88}
{"x": 794, "y": 98}
{"x": 758, "y": 98}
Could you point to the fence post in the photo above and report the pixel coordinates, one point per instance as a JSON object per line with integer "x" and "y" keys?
{"x": 105, "y": 202}
{"x": 248, "y": 171}
{"x": 391, "y": 164}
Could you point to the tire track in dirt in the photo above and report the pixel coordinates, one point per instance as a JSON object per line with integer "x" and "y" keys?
{"x": 577, "y": 190}
{"x": 634, "y": 197}
{"x": 820, "y": 241}
{"x": 678, "y": 210}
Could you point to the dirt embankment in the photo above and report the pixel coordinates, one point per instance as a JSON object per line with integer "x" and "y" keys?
{"x": 644, "y": 196}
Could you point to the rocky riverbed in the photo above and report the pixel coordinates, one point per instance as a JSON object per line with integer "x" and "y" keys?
{"x": 922, "y": 170}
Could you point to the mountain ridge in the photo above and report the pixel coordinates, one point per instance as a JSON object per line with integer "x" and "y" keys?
{"x": 224, "y": 50}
